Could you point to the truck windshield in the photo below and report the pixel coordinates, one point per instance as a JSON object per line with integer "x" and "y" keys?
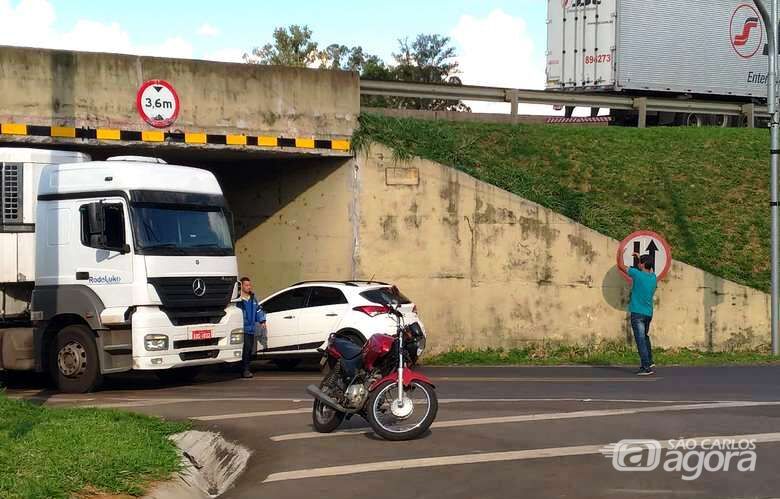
{"x": 170, "y": 230}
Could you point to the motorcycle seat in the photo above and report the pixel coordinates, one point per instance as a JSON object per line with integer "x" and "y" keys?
{"x": 346, "y": 348}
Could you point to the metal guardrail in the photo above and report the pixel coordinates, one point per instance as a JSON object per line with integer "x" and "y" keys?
{"x": 516, "y": 96}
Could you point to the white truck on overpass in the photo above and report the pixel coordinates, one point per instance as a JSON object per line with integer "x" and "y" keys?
{"x": 702, "y": 49}
{"x": 108, "y": 266}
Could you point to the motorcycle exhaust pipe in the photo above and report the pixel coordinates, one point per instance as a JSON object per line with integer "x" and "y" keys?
{"x": 325, "y": 399}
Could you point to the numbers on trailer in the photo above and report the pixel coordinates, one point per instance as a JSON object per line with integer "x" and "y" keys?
{"x": 598, "y": 59}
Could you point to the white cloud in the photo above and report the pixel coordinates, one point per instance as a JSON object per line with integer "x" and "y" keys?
{"x": 31, "y": 24}
{"x": 207, "y": 30}
{"x": 498, "y": 51}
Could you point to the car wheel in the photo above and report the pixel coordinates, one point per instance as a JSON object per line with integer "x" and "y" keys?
{"x": 287, "y": 364}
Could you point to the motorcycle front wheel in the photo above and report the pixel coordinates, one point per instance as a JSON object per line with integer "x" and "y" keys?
{"x": 394, "y": 421}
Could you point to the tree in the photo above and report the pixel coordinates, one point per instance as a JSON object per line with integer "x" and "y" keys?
{"x": 291, "y": 47}
{"x": 429, "y": 59}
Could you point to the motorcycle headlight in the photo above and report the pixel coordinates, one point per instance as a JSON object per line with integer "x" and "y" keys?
{"x": 237, "y": 336}
{"x": 155, "y": 342}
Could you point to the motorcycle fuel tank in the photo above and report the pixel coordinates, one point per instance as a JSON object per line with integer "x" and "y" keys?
{"x": 377, "y": 347}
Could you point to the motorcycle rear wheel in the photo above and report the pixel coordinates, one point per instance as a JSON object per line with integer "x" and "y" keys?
{"x": 379, "y": 400}
{"x": 324, "y": 418}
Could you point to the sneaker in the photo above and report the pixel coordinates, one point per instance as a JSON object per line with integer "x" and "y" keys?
{"x": 645, "y": 372}
{"x": 652, "y": 365}
{"x": 247, "y": 374}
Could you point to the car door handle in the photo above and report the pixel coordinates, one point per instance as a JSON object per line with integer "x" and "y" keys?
{"x": 331, "y": 315}
{"x": 289, "y": 317}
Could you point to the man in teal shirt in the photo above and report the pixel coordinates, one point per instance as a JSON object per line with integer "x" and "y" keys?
{"x": 643, "y": 286}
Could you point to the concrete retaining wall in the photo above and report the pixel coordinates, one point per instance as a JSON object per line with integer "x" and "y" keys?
{"x": 490, "y": 269}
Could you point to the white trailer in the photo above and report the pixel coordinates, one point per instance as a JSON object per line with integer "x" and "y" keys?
{"x": 692, "y": 48}
{"x": 108, "y": 266}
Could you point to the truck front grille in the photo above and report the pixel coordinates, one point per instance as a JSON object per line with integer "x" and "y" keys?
{"x": 184, "y": 307}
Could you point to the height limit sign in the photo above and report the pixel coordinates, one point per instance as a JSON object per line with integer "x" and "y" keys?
{"x": 157, "y": 103}
{"x": 647, "y": 243}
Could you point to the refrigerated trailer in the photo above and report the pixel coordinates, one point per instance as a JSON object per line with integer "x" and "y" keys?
{"x": 690, "y": 49}
{"x": 108, "y": 266}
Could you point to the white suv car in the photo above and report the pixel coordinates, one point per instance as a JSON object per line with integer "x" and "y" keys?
{"x": 301, "y": 318}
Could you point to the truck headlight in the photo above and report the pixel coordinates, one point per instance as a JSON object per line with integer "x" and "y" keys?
{"x": 237, "y": 336}
{"x": 154, "y": 342}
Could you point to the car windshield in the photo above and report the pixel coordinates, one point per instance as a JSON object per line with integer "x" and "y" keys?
{"x": 169, "y": 230}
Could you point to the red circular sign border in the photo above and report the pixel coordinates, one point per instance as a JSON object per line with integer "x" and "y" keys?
{"x": 648, "y": 233}
{"x": 760, "y": 29}
{"x": 157, "y": 123}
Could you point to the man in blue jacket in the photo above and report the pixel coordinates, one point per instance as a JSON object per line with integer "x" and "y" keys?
{"x": 254, "y": 316}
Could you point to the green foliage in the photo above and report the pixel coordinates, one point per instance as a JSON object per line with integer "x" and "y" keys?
{"x": 56, "y": 453}
{"x": 430, "y": 58}
{"x": 292, "y": 46}
{"x": 704, "y": 189}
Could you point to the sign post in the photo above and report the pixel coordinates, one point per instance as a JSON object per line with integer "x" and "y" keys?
{"x": 770, "y": 22}
{"x": 644, "y": 242}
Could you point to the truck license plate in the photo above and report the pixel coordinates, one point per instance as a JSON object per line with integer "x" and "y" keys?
{"x": 201, "y": 334}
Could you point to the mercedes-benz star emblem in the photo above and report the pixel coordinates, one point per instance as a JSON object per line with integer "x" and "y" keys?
{"x": 198, "y": 287}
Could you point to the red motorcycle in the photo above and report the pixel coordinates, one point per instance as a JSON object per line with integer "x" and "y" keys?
{"x": 376, "y": 381}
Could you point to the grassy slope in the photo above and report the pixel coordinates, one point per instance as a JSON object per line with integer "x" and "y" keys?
{"x": 55, "y": 453}
{"x": 606, "y": 353}
{"x": 706, "y": 190}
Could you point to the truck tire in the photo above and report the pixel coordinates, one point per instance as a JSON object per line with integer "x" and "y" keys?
{"x": 74, "y": 361}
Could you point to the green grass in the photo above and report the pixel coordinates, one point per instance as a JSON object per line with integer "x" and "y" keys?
{"x": 705, "y": 190}
{"x": 55, "y": 453}
{"x": 606, "y": 353}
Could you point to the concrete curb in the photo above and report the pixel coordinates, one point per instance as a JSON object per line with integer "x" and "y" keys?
{"x": 210, "y": 465}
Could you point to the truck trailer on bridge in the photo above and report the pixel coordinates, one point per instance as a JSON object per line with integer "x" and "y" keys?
{"x": 690, "y": 49}
{"x": 108, "y": 266}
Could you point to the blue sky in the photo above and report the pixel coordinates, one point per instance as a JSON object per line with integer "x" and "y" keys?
{"x": 242, "y": 24}
{"x": 499, "y": 42}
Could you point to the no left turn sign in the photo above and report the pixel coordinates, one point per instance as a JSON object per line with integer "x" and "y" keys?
{"x": 157, "y": 103}
{"x": 646, "y": 242}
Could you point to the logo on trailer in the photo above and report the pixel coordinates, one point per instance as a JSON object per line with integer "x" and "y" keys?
{"x": 746, "y": 31}
{"x": 198, "y": 287}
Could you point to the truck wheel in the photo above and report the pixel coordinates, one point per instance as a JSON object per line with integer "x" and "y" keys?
{"x": 178, "y": 375}
{"x": 74, "y": 361}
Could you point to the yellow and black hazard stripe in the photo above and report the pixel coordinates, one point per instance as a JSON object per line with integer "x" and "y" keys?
{"x": 159, "y": 136}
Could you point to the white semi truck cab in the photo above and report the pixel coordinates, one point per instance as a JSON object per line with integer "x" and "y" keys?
{"x": 133, "y": 268}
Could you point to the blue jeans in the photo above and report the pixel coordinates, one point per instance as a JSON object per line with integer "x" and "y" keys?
{"x": 640, "y": 324}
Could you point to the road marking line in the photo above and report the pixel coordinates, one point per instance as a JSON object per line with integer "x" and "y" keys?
{"x": 455, "y": 423}
{"x": 241, "y": 415}
{"x": 487, "y": 457}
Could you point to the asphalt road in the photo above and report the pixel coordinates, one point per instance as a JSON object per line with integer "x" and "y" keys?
{"x": 500, "y": 432}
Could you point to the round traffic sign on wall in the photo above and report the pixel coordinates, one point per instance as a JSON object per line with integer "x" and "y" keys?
{"x": 157, "y": 103}
{"x": 646, "y": 242}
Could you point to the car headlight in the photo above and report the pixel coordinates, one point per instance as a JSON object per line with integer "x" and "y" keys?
{"x": 237, "y": 336}
{"x": 155, "y": 342}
